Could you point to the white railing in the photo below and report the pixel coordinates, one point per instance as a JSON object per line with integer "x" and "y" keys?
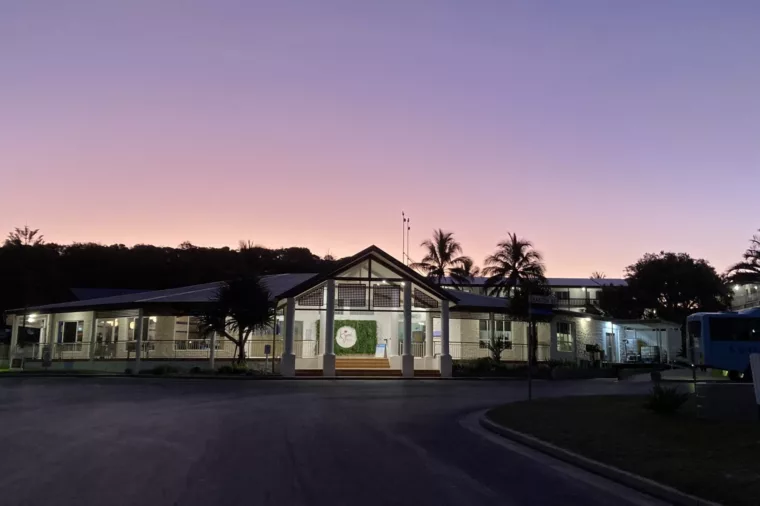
{"x": 418, "y": 349}
{"x": 463, "y": 350}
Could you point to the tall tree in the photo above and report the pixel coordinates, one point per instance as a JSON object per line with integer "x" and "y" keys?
{"x": 747, "y": 272}
{"x": 442, "y": 254}
{"x": 668, "y": 285}
{"x": 25, "y": 237}
{"x": 242, "y": 307}
{"x": 464, "y": 273}
{"x": 515, "y": 261}
{"x": 520, "y": 308}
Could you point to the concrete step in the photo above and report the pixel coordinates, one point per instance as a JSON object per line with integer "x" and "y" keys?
{"x": 362, "y": 363}
{"x": 368, "y": 372}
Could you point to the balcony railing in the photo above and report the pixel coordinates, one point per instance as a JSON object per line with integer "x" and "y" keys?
{"x": 576, "y": 302}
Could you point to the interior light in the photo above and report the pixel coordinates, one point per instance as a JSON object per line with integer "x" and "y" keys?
{"x": 154, "y": 319}
{"x": 736, "y": 288}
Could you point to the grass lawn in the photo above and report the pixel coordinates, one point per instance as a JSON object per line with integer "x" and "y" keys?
{"x": 715, "y": 460}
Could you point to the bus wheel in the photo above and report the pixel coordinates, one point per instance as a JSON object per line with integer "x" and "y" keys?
{"x": 734, "y": 376}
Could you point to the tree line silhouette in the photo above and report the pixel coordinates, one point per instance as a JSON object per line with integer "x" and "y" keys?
{"x": 33, "y": 272}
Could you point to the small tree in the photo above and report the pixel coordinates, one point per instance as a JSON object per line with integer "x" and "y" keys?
{"x": 25, "y": 237}
{"x": 241, "y": 307}
{"x": 496, "y": 346}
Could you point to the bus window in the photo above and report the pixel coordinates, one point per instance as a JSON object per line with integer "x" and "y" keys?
{"x": 734, "y": 329}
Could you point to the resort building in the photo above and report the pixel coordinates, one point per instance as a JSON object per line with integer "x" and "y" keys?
{"x": 376, "y": 308}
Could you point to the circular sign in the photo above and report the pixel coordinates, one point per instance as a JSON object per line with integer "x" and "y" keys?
{"x": 346, "y": 337}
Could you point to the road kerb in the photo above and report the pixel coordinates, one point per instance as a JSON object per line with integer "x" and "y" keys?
{"x": 631, "y": 480}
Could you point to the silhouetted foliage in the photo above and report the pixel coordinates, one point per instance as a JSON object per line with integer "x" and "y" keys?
{"x": 44, "y": 273}
{"x": 670, "y": 286}
{"x": 515, "y": 261}
{"x": 747, "y": 272}
{"x": 520, "y": 308}
{"x": 443, "y": 254}
{"x": 242, "y": 306}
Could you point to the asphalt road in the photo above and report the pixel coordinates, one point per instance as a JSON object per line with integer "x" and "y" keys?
{"x": 144, "y": 442}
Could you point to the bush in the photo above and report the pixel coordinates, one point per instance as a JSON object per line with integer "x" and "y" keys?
{"x": 665, "y": 400}
{"x": 234, "y": 368}
{"x": 656, "y": 376}
{"x": 127, "y": 371}
{"x": 196, "y": 370}
{"x": 160, "y": 370}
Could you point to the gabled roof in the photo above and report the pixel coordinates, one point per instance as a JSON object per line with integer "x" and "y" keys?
{"x": 390, "y": 262}
{"x": 101, "y": 293}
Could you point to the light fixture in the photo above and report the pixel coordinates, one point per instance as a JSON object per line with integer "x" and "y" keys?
{"x": 154, "y": 319}
{"x": 587, "y": 319}
{"x": 131, "y": 325}
{"x": 736, "y": 288}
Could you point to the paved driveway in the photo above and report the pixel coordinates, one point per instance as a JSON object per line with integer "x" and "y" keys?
{"x": 139, "y": 442}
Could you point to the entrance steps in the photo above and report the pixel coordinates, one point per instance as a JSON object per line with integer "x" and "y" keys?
{"x": 362, "y": 363}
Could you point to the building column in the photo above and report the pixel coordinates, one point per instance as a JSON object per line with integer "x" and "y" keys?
{"x": 491, "y": 328}
{"x": 407, "y": 359}
{"x": 212, "y": 351}
{"x": 328, "y": 359}
{"x": 445, "y": 354}
{"x": 288, "y": 360}
{"x": 429, "y": 341}
{"x": 14, "y": 340}
{"x": 552, "y": 339}
{"x": 93, "y": 335}
{"x": 139, "y": 324}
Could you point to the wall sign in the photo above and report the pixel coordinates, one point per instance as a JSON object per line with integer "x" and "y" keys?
{"x": 346, "y": 337}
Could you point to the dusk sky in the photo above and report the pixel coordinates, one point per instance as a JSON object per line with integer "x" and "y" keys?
{"x": 600, "y": 130}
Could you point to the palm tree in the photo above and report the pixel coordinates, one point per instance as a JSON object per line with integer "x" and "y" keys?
{"x": 464, "y": 273}
{"x": 442, "y": 255}
{"x": 514, "y": 261}
{"x": 241, "y": 307}
{"x": 747, "y": 272}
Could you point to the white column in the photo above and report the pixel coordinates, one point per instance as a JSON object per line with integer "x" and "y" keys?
{"x": 407, "y": 359}
{"x": 328, "y": 359}
{"x": 138, "y": 339}
{"x": 445, "y": 355}
{"x": 93, "y": 335}
{"x": 212, "y": 351}
{"x": 288, "y": 361}
{"x": 14, "y": 340}
{"x": 429, "y": 342}
{"x": 491, "y": 328}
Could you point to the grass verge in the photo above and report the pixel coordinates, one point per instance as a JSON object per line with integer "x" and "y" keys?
{"x": 716, "y": 460}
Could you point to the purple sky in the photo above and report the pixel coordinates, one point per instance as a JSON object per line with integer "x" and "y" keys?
{"x": 599, "y": 130}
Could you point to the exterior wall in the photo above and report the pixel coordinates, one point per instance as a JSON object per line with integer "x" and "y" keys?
{"x": 584, "y": 331}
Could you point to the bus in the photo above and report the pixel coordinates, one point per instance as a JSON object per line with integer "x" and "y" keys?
{"x": 724, "y": 340}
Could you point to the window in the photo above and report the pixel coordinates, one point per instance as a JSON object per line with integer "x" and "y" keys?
{"x": 502, "y": 331}
{"x": 562, "y": 295}
{"x": 314, "y": 298}
{"x": 150, "y": 322}
{"x": 564, "y": 336}
{"x": 386, "y": 296}
{"x": 351, "y": 295}
{"x": 423, "y": 300}
{"x": 186, "y": 328}
{"x": 71, "y": 332}
{"x": 734, "y": 329}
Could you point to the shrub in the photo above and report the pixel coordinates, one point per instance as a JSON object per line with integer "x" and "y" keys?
{"x": 656, "y": 376}
{"x": 665, "y": 400}
{"x": 127, "y": 371}
{"x": 234, "y": 368}
{"x": 196, "y": 370}
{"x": 160, "y": 370}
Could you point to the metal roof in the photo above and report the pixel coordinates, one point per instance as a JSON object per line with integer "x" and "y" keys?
{"x": 555, "y": 282}
{"x": 466, "y": 301}
{"x": 277, "y": 284}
